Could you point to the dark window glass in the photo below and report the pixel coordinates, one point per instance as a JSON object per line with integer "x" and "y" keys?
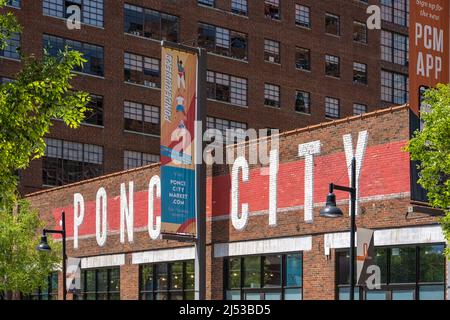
{"x": 359, "y": 32}
{"x": 95, "y": 114}
{"x": 272, "y": 9}
{"x": 332, "y": 24}
{"x": 234, "y": 273}
{"x": 252, "y": 272}
{"x": 332, "y": 66}
{"x": 294, "y": 270}
{"x": 239, "y": 7}
{"x": 48, "y": 292}
{"x": 302, "y": 102}
{"x": 100, "y": 284}
{"x": 432, "y": 263}
{"x": 303, "y": 59}
{"x": 12, "y": 49}
{"x": 272, "y": 271}
{"x": 359, "y": 73}
{"x": 381, "y": 260}
{"x": 403, "y": 265}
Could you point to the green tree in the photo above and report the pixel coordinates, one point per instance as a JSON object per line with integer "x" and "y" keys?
{"x": 40, "y": 92}
{"x": 431, "y": 147}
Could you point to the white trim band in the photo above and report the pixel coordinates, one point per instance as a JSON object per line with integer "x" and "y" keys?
{"x": 154, "y": 256}
{"x": 103, "y": 261}
{"x": 268, "y": 246}
{"x": 388, "y": 237}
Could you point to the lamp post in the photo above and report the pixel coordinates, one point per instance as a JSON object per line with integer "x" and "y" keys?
{"x": 332, "y": 211}
{"x": 43, "y": 246}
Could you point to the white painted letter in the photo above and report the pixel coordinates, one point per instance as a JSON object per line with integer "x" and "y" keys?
{"x": 78, "y": 216}
{"x": 273, "y": 186}
{"x": 374, "y": 21}
{"x": 153, "y": 231}
{"x": 101, "y": 217}
{"x": 239, "y": 223}
{"x": 126, "y": 212}
{"x": 308, "y": 150}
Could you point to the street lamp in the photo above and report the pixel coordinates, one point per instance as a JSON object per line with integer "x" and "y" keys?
{"x": 332, "y": 211}
{"x": 43, "y": 246}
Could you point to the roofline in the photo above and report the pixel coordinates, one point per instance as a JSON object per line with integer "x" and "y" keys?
{"x": 284, "y": 134}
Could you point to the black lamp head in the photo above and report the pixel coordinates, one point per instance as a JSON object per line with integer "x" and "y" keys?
{"x": 331, "y": 210}
{"x": 43, "y": 245}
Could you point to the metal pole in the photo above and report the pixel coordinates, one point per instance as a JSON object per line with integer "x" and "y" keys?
{"x": 63, "y": 226}
{"x": 352, "y": 230}
{"x": 200, "y": 244}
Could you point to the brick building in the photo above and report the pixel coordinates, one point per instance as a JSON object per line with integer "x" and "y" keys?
{"x": 287, "y": 253}
{"x": 272, "y": 64}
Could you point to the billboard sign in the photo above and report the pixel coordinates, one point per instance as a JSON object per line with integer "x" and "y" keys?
{"x": 179, "y": 104}
{"x": 428, "y": 47}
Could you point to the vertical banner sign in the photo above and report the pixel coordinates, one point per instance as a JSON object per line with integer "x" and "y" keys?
{"x": 179, "y": 112}
{"x": 364, "y": 254}
{"x": 428, "y": 47}
{"x": 73, "y": 275}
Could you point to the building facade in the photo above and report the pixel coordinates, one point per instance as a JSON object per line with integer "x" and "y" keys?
{"x": 271, "y": 64}
{"x": 281, "y": 249}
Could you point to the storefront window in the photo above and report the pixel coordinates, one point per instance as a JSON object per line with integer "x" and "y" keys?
{"x": 48, "y": 292}
{"x": 271, "y": 277}
{"x": 407, "y": 273}
{"x": 100, "y": 284}
{"x": 167, "y": 281}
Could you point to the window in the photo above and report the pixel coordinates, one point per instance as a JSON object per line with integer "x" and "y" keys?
{"x": 133, "y": 159}
{"x": 302, "y": 102}
{"x": 271, "y": 95}
{"x": 394, "y": 47}
{"x": 359, "y": 109}
{"x": 271, "y": 51}
{"x": 332, "y": 24}
{"x": 152, "y": 24}
{"x": 95, "y": 115}
{"x": 142, "y": 70}
{"x": 332, "y": 66}
{"x": 395, "y": 11}
{"x": 359, "y": 73}
{"x": 141, "y": 118}
{"x": 67, "y": 162}
{"x": 100, "y": 284}
{"x": 12, "y": 47}
{"x": 91, "y": 10}
{"x": 167, "y": 281}
{"x": 223, "y": 87}
{"x": 223, "y": 41}
{"x": 49, "y": 292}
{"x": 302, "y": 16}
{"x": 359, "y": 32}
{"x": 271, "y": 277}
{"x": 209, "y": 3}
{"x": 272, "y": 9}
{"x": 239, "y": 7}
{"x": 332, "y": 107}
{"x": 14, "y": 3}
{"x": 92, "y": 53}
{"x": 224, "y": 125}
{"x": 394, "y": 87}
{"x": 407, "y": 273}
{"x": 4, "y": 80}
{"x": 303, "y": 59}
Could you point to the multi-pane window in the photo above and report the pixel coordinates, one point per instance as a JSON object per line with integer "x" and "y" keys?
{"x": 359, "y": 73}
{"x": 394, "y": 87}
{"x": 359, "y": 109}
{"x": 302, "y": 58}
{"x": 14, "y": 3}
{"x": 332, "y": 108}
{"x": 332, "y": 24}
{"x": 302, "y": 102}
{"x": 134, "y": 159}
{"x": 271, "y": 95}
{"x": 222, "y": 41}
{"x": 91, "y": 10}
{"x": 359, "y": 32}
{"x": 67, "y": 162}
{"x": 167, "y": 281}
{"x": 209, "y": 3}
{"x": 12, "y": 46}
{"x": 92, "y": 53}
{"x": 332, "y": 66}
{"x": 224, "y": 87}
{"x": 100, "y": 284}
{"x": 49, "y": 292}
{"x": 272, "y": 9}
{"x": 4, "y": 80}
{"x": 271, "y": 277}
{"x": 302, "y": 16}
{"x": 223, "y": 125}
{"x": 394, "y": 47}
{"x": 395, "y": 11}
{"x": 272, "y": 51}
{"x": 142, "y": 70}
{"x": 141, "y": 118}
{"x": 150, "y": 23}
{"x": 407, "y": 273}
{"x": 239, "y": 7}
{"x": 95, "y": 114}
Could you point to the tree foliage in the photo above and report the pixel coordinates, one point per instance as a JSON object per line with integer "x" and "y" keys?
{"x": 431, "y": 147}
